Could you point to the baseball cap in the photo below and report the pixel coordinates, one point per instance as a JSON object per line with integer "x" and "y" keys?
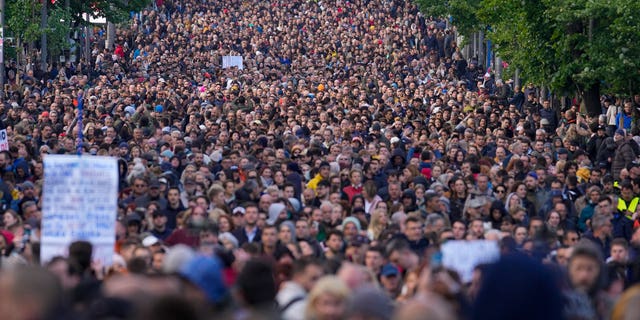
{"x": 389, "y": 270}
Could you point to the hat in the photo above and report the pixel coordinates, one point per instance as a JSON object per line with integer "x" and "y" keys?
{"x": 161, "y": 80}
{"x": 601, "y": 127}
{"x": 239, "y": 210}
{"x": 45, "y": 114}
{"x": 133, "y": 218}
{"x": 28, "y": 185}
{"x": 325, "y": 164}
{"x": 293, "y": 166}
{"x": 206, "y": 273}
{"x": 476, "y": 203}
{"x": 533, "y": 175}
{"x": 389, "y": 270}
{"x": 149, "y": 241}
{"x": 545, "y": 122}
{"x": 357, "y": 138}
{"x": 130, "y": 110}
{"x": 155, "y": 184}
{"x": 159, "y": 108}
{"x": 562, "y": 151}
{"x": 163, "y": 181}
{"x": 620, "y": 132}
{"x": 123, "y": 145}
{"x": 167, "y": 153}
{"x": 394, "y": 140}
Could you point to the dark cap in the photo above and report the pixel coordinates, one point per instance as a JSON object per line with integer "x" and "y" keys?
{"x": 325, "y": 164}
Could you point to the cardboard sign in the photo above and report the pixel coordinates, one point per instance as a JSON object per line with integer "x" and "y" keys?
{"x": 80, "y": 202}
{"x": 464, "y": 256}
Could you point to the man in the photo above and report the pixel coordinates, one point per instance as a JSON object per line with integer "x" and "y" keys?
{"x": 174, "y": 206}
{"x": 584, "y": 270}
{"x": 390, "y": 279}
{"x": 476, "y": 229}
{"x": 159, "y": 227}
{"x": 250, "y": 231}
{"x": 413, "y": 233}
{"x": 601, "y": 228}
{"x": 334, "y": 245}
{"x": 139, "y": 189}
{"x": 535, "y": 226}
{"x": 374, "y": 259}
{"x": 619, "y": 251}
{"x": 535, "y": 193}
{"x": 324, "y": 171}
{"x": 624, "y": 154}
{"x": 355, "y": 188}
{"x": 154, "y": 194}
{"x": 269, "y": 241}
{"x": 292, "y": 296}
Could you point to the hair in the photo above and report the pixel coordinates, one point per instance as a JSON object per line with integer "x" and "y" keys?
{"x": 628, "y": 306}
{"x": 375, "y": 227}
{"x": 620, "y": 242}
{"x": 256, "y": 283}
{"x": 300, "y": 265}
{"x": 331, "y": 285}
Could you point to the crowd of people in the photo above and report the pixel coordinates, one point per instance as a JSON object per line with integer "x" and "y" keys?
{"x": 319, "y": 180}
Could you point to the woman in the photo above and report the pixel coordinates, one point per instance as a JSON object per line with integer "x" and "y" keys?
{"x": 266, "y": 176}
{"x": 371, "y": 197}
{"x": 327, "y": 300}
{"x": 512, "y": 201}
{"x": 13, "y": 223}
{"x": 496, "y": 214}
{"x": 553, "y": 220}
{"x": 500, "y": 192}
{"x": 521, "y": 190}
{"x": 379, "y": 222}
{"x": 458, "y": 197}
{"x": 287, "y": 237}
{"x": 520, "y": 235}
{"x": 225, "y": 223}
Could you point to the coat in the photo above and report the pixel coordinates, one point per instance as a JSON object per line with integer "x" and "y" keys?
{"x": 623, "y": 156}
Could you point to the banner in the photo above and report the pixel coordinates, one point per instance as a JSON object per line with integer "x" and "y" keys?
{"x": 80, "y": 202}
{"x": 464, "y": 256}
{"x": 232, "y": 61}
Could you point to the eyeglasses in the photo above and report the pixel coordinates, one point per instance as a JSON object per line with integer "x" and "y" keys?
{"x": 500, "y": 191}
{"x": 139, "y": 185}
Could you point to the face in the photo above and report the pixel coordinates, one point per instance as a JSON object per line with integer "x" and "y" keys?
{"x": 269, "y": 237}
{"x": 413, "y": 231}
{"x": 329, "y": 307}
{"x": 285, "y": 234}
{"x": 9, "y": 220}
{"x": 373, "y": 260}
{"x": 583, "y": 272}
{"x": 520, "y": 235}
{"x": 459, "y": 230}
{"x": 619, "y": 253}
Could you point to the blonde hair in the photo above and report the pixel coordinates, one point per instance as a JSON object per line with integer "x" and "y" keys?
{"x": 331, "y": 285}
{"x": 375, "y": 227}
{"x": 628, "y": 306}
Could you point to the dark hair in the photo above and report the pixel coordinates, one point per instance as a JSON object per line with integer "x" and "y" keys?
{"x": 256, "y": 283}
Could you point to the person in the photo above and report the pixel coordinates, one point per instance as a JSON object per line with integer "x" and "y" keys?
{"x": 291, "y": 297}
{"x": 249, "y": 232}
{"x": 327, "y": 300}
{"x": 585, "y": 272}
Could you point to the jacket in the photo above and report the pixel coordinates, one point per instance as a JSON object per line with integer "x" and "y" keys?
{"x": 623, "y": 156}
{"x": 292, "y": 300}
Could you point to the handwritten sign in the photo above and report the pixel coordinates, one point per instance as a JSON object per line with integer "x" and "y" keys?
{"x": 232, "y": 61}
{"x": 4, "y": 140}
{"x": 80, "y": 202}
{"x": 464, "y": 256}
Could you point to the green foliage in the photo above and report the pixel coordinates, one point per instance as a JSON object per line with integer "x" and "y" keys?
{"x": 23, "y": 20}
{"x": 59, "y": 25}
{"x": 570, "y": 45}
{"x": 115, "y": 11}
{"x": 463, "y": 13}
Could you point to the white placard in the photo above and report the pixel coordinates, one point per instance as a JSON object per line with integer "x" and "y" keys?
{"x": 80, "y": 203}
{"x": 463, "y": 256}
{"x": 4, "y": 140}
{"x": 232, "y": 61}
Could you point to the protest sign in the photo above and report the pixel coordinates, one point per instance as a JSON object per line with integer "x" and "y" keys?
{"x": 463, "y": 256}
{"x": 232, "y": 61}
{"x": 80, "y": 203}
{"x": 4, "y": 140}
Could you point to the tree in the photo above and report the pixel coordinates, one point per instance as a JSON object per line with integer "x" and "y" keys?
{"x": 116, "y": 11}
{"x": 581, "y": 47}
{"x": 23, "y": 22}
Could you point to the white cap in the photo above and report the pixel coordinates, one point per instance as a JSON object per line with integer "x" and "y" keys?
{"x": 148, "y": 241}
{"x": 394, "y": 140}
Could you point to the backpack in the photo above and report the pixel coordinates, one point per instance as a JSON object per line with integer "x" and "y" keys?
{"x": 291, "y": 302}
